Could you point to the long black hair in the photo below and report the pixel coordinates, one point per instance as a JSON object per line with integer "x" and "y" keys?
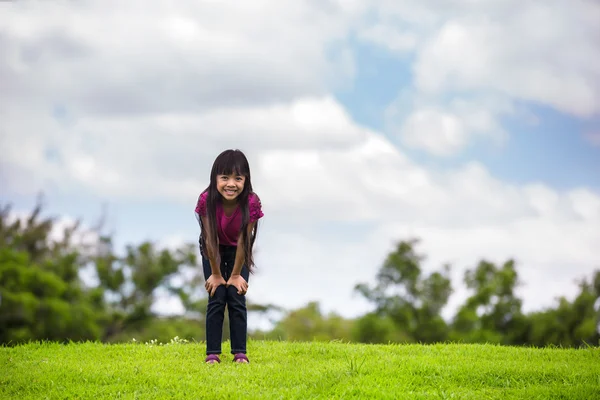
{"x": 227, "y": 163}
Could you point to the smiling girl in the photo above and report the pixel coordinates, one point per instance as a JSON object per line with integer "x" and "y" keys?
{"x": 228, "y": 211}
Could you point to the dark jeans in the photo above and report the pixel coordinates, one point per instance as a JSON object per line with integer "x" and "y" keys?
{"x": 236, "y": 306}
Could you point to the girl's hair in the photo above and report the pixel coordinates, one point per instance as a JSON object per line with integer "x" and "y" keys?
{"x": 227, "y": 163}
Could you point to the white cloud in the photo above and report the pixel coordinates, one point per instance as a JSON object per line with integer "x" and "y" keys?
{"x": 585, "y": 204}
{"x": 468, "y": 50}
{"x": 198, "y": 54}
{"x": 509, "y": 57}
{"x": 106, "y": 154}
{"x": 439, "y": 132}
{"x": 444, "y": 128}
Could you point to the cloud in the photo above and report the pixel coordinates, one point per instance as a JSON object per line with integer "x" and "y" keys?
{"x": 507, "y": 56}
{"x": 446, "y": 130}
{"x": 160, "y": 154}
{"x": 468, "y": 51}
{"x": 197, "y": 78}
{"x": 189, "y": 57}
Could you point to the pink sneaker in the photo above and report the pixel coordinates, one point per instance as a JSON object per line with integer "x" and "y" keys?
{"x": 241, "y": 358}
{"x": 212, "y": 359}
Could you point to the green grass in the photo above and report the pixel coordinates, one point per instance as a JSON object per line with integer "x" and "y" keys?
{"x": 284, "y": 370}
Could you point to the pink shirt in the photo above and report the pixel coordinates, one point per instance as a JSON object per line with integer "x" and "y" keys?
{"x": 228, "y": 227}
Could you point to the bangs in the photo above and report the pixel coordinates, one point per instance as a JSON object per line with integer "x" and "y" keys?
{"x": 231, "y": 162}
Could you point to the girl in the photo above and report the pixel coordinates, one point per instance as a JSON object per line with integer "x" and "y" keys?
{"x": 228, "y": 211}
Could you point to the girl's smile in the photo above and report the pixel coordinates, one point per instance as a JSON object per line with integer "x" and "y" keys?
{"x": 230, "y": 186}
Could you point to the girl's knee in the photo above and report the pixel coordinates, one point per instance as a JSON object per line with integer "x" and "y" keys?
{"x": 220, "y": 295}
{"x": 235, "y": 299}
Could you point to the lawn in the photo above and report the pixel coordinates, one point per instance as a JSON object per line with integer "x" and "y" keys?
{"x": 285, "y": 370}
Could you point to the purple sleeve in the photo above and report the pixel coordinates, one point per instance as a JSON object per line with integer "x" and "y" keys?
{"x": 201, "y": 205}
{"x": 255, "y": 208}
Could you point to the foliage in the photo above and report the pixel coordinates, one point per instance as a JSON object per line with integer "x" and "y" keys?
{"x": 376, "y": 328}
{"x": 492, "y": 314}
{"x": 410, "y": 299}
{"x": 132, "y": 281}
{"x": 308, "y": 323}
{"x": 573, "y": 323}
{"x": 43, "y": 296}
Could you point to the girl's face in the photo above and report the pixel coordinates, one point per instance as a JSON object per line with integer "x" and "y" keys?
{"x": 230, "y": 186}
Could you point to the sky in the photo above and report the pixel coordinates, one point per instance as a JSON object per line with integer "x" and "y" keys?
{"x": 473, "y": 126}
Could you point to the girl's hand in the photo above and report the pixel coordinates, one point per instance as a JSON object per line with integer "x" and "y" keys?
{"x": 213, "y": 282}
{"x": 239, "y": 282}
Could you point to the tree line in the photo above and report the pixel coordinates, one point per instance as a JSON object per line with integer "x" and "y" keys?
{"x": 43, "y": 296}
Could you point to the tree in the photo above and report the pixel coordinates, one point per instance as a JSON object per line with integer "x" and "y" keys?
{"x": 411, "y": 300}
{"x": 570, "y": 324}
{"x": 41, "y": 295}
{"x": 308, "y": 324}
{"x": 131, "y": 282}
{"x": 493, "y": 312}
{"x": 375, "y": 328}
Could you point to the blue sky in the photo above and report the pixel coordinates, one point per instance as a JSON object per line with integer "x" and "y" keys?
{"x": 553, "y": 150}
{"x": 422, "y": 122}
{"x": 380, "y": 76}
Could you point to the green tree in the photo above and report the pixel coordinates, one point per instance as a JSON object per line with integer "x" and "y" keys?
{"x": 570, "y": 324}
{"x": 131, "y": 282}
{"x": 41, "y": 294}
{"x": 308, "y": 324}
{"x": 412, "y": 300}
{"x": 493, "y": 312}
{"x": 376, "y": 328}
{"x": 43, "y": 297}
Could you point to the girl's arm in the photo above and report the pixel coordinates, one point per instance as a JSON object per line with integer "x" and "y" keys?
{"x": 215, "y": 279}
{"x": 236, "y": 278}
{"x": 239, "y": 254}
{"x": 211, "y": 257}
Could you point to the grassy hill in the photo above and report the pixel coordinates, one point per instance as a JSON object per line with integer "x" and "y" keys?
{"x": 284, "y": 370}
